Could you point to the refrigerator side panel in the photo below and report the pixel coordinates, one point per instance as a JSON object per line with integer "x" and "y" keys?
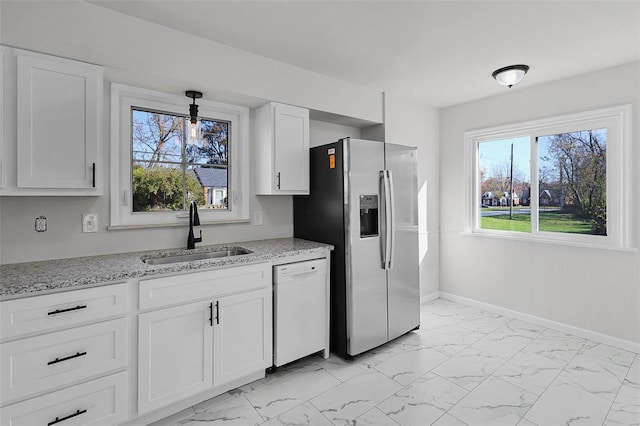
{"x": 403, "y": 277}
{"x": 366, "y": 280}
{"x": 319, "y": 216}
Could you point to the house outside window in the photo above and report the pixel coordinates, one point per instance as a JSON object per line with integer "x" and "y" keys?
{"x": 157, "y": 170}
{"x": 561, "y": 179}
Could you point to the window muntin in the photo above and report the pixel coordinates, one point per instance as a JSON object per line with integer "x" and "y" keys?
{"x": 611, "y": 128}
{"x": 219, "y": 121}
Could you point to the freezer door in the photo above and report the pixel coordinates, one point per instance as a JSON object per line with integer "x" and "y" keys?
{"x": 403, "y": 275}
{"x": 366, "y": 280}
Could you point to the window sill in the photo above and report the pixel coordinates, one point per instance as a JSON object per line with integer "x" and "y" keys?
{"x": 172, "y": 225}
{"x": 536, "y": 240}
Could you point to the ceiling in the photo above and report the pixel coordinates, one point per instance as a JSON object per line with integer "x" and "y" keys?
{"x": 439, "y": 53}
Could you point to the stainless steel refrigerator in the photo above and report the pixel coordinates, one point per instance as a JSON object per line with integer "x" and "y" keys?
{"x": 363, "y": 200}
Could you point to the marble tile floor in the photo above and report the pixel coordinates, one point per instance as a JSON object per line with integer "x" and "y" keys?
{"x": 465, "y": 366}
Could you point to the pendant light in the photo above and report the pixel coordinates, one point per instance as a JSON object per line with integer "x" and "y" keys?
{"x": 508, "y": 76}
{"x": 194, "y": 123}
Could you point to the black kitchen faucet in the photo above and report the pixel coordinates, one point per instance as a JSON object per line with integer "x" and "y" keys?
{"x": 194, "y": 220}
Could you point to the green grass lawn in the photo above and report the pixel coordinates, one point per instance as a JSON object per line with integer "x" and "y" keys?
{"x": 549, "y": 222}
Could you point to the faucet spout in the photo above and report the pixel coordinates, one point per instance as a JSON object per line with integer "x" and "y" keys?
{"x": 194, "y": 220}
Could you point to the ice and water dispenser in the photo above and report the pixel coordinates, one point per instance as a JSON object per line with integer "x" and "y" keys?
{"x": 368, "y": 216}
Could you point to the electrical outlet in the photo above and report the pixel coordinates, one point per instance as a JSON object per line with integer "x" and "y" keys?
{"x": 41, "y": 224}
{"x": 257, "y": 217}
{"x": 90, "y": 222}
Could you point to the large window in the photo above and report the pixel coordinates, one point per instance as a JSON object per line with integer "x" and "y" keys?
{"x": 158, "y": 168}
{"x": 560, "y": 179}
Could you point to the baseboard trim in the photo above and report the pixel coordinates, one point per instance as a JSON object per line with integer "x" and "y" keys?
{"x": 429, "y": 297}
{"x": 554, "y": 325}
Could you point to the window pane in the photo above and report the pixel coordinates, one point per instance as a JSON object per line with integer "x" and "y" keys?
{"x": 505, "y": 184}
{"x": 156, "y": 137}
{"x": 208, "y": 162}
{"x": 168, "y": 170}
{"x": 572, "y": 170}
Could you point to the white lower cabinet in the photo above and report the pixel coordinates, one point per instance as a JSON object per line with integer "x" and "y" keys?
{"x": 196, "y": 347}
{"x": 63, "y": 356}
{"x": 242, "y": 335}
{"x": 100, "y": 402}
{"x": 175, "y": 354}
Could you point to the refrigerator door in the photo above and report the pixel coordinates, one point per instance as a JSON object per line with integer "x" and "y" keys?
{"x": 403, "y": 275}
{"x": 366, "y": 280}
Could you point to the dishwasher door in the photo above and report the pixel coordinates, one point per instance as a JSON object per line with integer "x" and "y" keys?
{"x": 300, "y": 310}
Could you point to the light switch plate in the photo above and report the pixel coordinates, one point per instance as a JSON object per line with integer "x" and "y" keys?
{"x": 90, "y": 222}
{"x": 257, "y": 217}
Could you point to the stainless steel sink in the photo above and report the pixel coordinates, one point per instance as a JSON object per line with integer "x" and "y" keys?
{"x": 227, "y": 252}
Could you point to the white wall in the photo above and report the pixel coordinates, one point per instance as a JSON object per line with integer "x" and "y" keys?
{"x": 134, "y": 52}
{"x": 409, "y": 123}
{"x": 597, "y": 290}
{"x": 144, "y": 54}
{"x": 321, "y": 133}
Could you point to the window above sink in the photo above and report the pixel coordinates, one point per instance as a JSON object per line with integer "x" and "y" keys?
{"x": 149, "y": 148}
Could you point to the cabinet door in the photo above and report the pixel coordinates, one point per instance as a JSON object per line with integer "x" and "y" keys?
{"x": 242, "y": 335}
{"x": 291, "y": 133}
{"x": 174, "y": 354}
{"x": 58, "y": 104}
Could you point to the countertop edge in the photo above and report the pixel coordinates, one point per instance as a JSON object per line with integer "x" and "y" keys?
{"x": 50, "y": 276}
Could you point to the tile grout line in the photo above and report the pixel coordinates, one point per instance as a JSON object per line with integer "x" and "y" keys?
{"x": 621, "y": 386}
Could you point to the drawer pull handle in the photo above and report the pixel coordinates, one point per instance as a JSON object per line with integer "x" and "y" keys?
{"x": 62, "y": 419}
{"x": 59, "y": 311}
{"x": 57, "y": 360}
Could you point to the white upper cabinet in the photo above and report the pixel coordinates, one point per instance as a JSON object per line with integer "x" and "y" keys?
{"x": 282, "y": 150}
{"x": 56, "y": 131}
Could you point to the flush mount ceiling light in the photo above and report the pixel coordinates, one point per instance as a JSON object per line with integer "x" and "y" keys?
{"x": 194, "y": 126}
{"x": 508, "y": 76}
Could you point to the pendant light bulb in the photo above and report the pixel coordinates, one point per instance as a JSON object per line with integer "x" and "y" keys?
{"x": 194, "y": 122}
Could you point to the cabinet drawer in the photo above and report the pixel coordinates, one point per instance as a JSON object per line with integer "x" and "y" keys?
{"x": 43, "y": 313}
{"x": 100, "y": 402}
{"x": 40, "y": 363}
{"x": 165, "y": 291}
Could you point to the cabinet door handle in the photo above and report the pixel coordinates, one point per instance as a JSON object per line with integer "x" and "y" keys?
{"x": 278, "y": 182}
{"x": 211, "y": 314}
{"x": 62, "y": 419}
{"x": 59, "y": 311}
{"x": 93, "y": 175}
{"x": 217, "y": 313}
{"x": 66, "y": 358}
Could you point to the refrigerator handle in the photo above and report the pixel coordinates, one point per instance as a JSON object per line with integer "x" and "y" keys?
{"x": 385, "y": 240}
{"x": 391, "y": 219}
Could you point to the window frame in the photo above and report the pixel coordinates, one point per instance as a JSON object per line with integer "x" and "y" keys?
{"x": 617, "y": 120}
{"x": 123, "y": 98}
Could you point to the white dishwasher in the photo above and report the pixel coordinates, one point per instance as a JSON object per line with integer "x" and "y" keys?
{"x": 300, "y": 310}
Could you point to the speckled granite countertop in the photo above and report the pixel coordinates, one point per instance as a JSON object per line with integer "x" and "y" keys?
{"x": 28, "y": 279}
